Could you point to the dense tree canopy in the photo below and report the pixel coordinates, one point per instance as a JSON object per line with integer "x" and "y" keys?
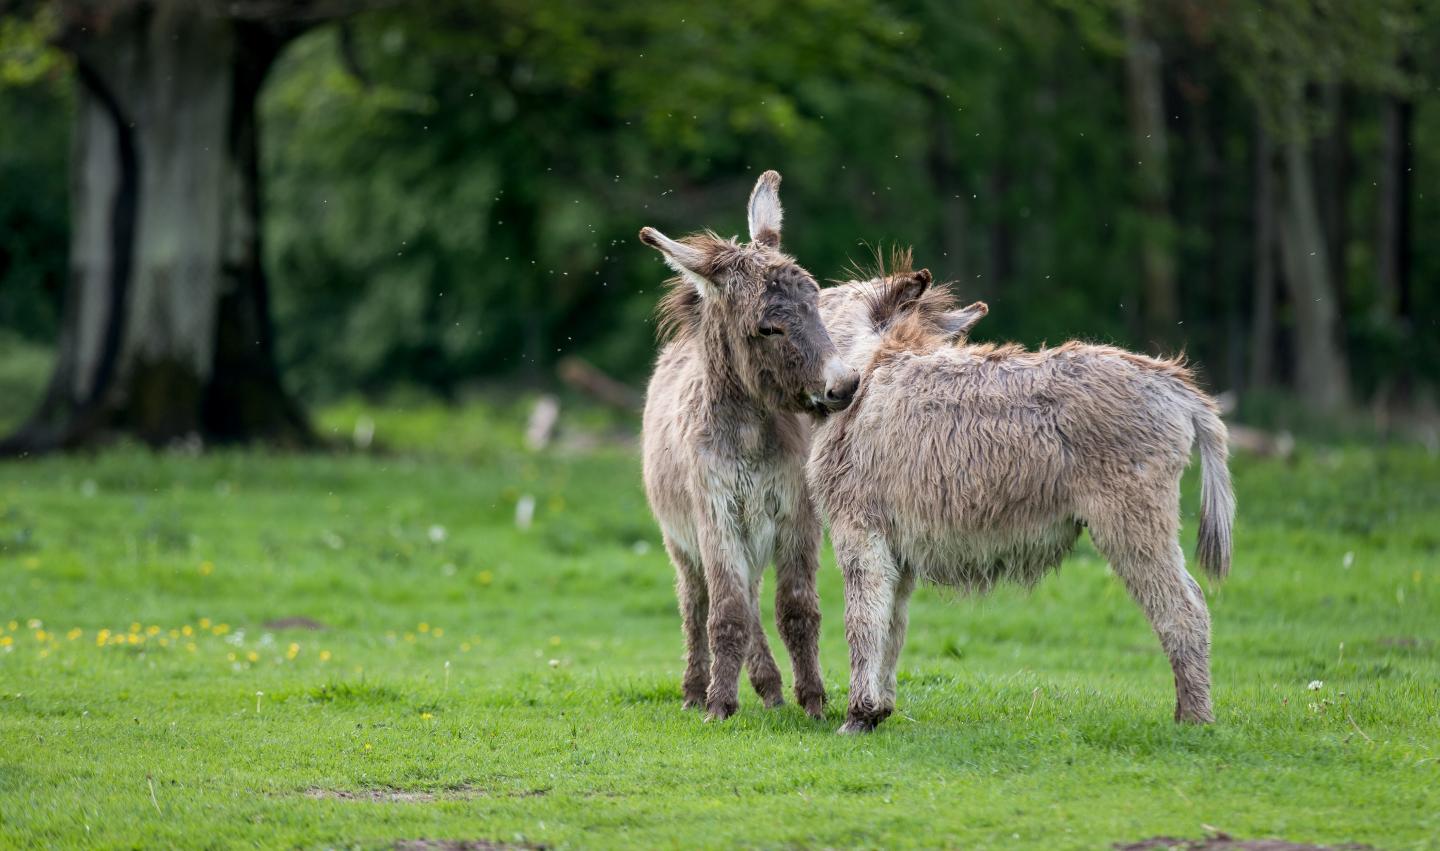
{"x": 451, "y": 194}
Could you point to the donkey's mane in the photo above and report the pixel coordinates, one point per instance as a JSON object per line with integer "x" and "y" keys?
{"x": 678, "y": 313}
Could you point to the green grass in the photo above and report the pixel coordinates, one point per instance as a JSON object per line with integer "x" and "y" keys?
{"x": 480, "y": 682}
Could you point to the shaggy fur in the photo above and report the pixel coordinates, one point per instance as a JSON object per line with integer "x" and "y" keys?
{"x": 725, "y": 442}
{"x": 969, "y": 465}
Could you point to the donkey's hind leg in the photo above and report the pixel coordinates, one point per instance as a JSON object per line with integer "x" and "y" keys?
{"x": 694, "y": 611}
{"x": 1139, "y": 539}
{"x": 797, "y": 603}
{"x": 760, "y": 662}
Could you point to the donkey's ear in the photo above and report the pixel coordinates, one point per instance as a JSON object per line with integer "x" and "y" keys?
{"x": 957, "y": 323}
{"x": 911, "y": 286}
{"x": 684, "y": 259}
{"x": 764, "y": 210}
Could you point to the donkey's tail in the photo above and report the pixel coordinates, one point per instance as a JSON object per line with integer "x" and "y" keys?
{"x": 1217, "y": 499}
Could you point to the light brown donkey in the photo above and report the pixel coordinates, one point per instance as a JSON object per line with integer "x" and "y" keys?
{"x": 967, "y": 465}
{"x": 725, "y": 444}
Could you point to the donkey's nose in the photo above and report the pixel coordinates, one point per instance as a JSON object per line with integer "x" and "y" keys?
{"x": 839, "y": 391}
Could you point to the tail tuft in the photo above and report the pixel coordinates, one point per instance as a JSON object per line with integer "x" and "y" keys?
{"x": 1217, "y": 499}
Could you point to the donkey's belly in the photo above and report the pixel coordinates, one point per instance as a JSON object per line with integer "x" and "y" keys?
{"x": 976, "y": 561}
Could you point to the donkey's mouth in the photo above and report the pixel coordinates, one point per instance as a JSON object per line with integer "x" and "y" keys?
{"x": 820, "y": 409}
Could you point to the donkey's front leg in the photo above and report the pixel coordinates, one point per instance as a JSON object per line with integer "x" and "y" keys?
{"x": 694, "y": 610}
{"x": 899, "y": 620}
{"x": 729, "y": 625}
{"x": 871, "y": 579}
{"x": 797, "y": 603}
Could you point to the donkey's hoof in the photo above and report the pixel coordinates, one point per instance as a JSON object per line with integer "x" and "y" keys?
{"x": 856, "y": 726}
{"x": 1193, "y": 715}
{"x": 693, "y": 703}
{"x": 813, "y": 704}
{"x": 774, "y": 702}
{"x": 719, "y": 710}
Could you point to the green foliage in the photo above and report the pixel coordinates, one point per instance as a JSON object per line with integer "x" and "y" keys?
{"x": 429, "y": 705}
{"x": 452, "y": 196}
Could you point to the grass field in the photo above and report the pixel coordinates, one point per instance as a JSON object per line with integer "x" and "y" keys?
{"x": 476, "y": 681}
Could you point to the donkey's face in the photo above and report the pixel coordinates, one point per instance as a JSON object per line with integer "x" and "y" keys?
{"x": 758, "y": 310}
{"x": 859, "y": 314}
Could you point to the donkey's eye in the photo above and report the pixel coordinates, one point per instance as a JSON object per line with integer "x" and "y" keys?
{"x": 770, "y": 330}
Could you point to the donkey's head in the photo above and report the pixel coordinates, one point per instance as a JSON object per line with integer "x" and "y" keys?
{"x": 899, "y": 308}
{"x": 756, "y": 310}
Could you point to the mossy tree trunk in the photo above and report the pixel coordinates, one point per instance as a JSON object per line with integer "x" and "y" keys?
{"x": 166, "y": 332}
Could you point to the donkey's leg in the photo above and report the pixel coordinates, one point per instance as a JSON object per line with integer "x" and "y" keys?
{"x": 1140, "y": 541}
{"x": 764, "y": 673}
{"x": 797, "y": 604}
{"x": 694, "y": 610}
{"x": 729, "y": 623}
{"x": 871, "y": 579}
{"x": 899, "y": 620}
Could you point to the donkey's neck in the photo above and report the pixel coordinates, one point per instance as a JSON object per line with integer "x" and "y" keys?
{"x": 724, "y": 395}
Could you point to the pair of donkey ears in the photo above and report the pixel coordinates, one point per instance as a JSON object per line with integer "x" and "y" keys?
{"x": 907, "y": 290}
{"x": 765, "y": 216}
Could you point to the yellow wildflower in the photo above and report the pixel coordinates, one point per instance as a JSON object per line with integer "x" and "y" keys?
{"x": 204, "y": 623}
{"x": 152, "y": 630}
{"x": 324, "y": 655}
{"x": 12, "y": 626}
{"x": 292, "y": 651}
{"x": 101, "y": 637}
{"x": 206, "y": 568}
{"x": 74, "y": 633}
{"x": 464, "y": 647}
{"x": 186, "y": 631}
{"x": 485, "y": 577}
{"x": 6, "y": 641}
{"x": 554, "y": 641}
{"x": 253, "y": 656}
{"x": 426, "y": 716}
{"x": 134, "y": 626}
{"x": 424, "y": 627}
{"x": 438, "y": 632}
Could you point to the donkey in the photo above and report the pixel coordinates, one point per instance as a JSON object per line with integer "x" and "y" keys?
{"x": 725, "y": 443}
{"x": 967, "y": 465}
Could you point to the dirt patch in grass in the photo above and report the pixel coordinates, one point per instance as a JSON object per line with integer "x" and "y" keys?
{"x": 1223, "y": 842}
{"x": 462, "y": 845}
{"x": 396, "y": 796}
{"x": 295, "y": 623}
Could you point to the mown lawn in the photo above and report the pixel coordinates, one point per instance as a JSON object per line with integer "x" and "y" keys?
{"x": 478, "y": 681}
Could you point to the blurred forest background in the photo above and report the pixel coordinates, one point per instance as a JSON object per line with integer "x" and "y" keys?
{"x": 445, "y": 195}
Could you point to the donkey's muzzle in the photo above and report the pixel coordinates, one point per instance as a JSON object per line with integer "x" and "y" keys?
{"x": 840, "y": 391}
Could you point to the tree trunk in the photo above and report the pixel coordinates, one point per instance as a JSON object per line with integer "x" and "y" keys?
{"x": 1160, "y": 308}
{"x": 1262, "y": 312}
{"x": 166, "y": 331}
{"x": 1321, "y": 374}
{"x": 1334, "y": 165}
{"x": 1393, "y": 248}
